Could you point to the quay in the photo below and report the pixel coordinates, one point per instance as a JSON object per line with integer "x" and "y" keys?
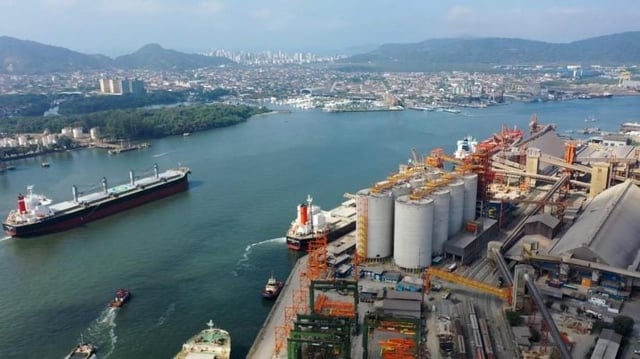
{"x": 264, "y": 345}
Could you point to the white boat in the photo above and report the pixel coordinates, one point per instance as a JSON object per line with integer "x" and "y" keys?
{"x": 465, "y": 147}
{"x": 211, "y": 343}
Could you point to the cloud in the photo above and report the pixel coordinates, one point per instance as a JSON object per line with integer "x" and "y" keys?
{"x": 459, "y": 12}
{"x": 566, "y": 11}
{"x": 261, "y": 14}
{"x": 212, "y": 6}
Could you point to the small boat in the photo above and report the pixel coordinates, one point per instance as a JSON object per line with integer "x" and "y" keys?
{"x": 122, "y": 296}
{"x": 186, "y": 134}
{"x": 82, "y": 351}
{"x": 273, "y": 288}
{"x": 45, "y": 164}
{"x": 209, "y": 343}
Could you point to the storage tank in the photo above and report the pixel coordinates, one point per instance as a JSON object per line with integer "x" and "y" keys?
{"x": 379, "y": 224}
{"x": 401, "y": 190}
{"x": 77, "y": 132}
{"x": 94, "y": 133}
{"x": 413, "y": 232}
{"x": 456, "y": 206}
{"x": 470, "y": 196}
{"x": 441, "y": 200}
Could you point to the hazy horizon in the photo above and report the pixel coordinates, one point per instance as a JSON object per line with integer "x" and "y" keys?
{"x": 118, "y": 27}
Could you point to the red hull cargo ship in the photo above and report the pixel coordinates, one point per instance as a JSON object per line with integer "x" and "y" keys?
{"x": 37, "y": 214}
{"x": 311, "y": 223}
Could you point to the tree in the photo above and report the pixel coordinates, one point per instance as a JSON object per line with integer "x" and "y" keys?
{"x": 579, "y": 311}
{"x": 563, "y": 307}
{"x": 623, "y": 325}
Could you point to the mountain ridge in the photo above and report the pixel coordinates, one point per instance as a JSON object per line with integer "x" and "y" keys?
{"x": 19, "y": 56}
{"x": 612, "y": 49}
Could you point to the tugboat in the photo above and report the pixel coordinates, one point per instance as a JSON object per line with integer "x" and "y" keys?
{"x": 122, "y": 296}
{"x": 82, "y": 351}
{"x": 273, "y": 288}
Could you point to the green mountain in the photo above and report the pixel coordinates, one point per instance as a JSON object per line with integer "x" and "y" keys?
{"x": 154, "y": 57}
{"x": 28, "y": 57}
{"x": 479, "y": 53}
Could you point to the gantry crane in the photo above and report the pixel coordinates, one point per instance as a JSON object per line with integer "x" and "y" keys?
{"x": 502, "y": 293}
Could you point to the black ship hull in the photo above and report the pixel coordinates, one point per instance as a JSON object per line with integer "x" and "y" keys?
{"x": 114, "y": 204}
{"x": 302, "y": 243}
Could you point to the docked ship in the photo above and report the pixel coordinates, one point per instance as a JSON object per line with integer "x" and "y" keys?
{"x": 311, "y": 223}
{"x": 36, "y": 214}
{"x": 273, "y": 288}
{"x": 212, "y": 343}
{"x": 82, "y": 351}
{"x": 122, "y": 296}
{"x": 630, "y": 127}
{"x": 465, "y": 147}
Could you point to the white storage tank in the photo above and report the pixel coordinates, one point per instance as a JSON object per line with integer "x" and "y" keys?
{"x": 441, "y": 200}
{"x": 77, "y": 132}
{"x": 94, "y": 133}
{"x": 379, "y": 224}
{"x": 401, "y": 190}
{"x": 470, "y": 196}
{"x": 456, "y": 206}
{"x": 22, "y": 140}
{"x": 413, "y": 232}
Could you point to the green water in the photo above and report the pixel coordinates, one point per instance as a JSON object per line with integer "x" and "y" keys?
{"x": 207, "y": 253}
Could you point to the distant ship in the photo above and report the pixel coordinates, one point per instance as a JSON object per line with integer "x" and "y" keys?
{"x": 36, "y": 215}
{"x": 122, "y": 296}
{"x": 465, "y": 147}
{"x": 212, "y": 343}
{"x": 630, "y": 127}
{"x": 273, "y": 288}
{"x": 312, "y": 223}
{"x": 82, "y": 351}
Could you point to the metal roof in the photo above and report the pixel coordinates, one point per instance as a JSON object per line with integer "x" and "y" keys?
{"x": 598, "y": 153}
{"x": 607, "y": 230}
{"x": 547, "y": 140}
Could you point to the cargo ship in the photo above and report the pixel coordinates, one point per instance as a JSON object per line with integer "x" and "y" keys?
{"x": 212, "y": 343}
{"x": 465, "y": 147}
{"x": 311, "y": 223}
{"x": 37, "y": 215}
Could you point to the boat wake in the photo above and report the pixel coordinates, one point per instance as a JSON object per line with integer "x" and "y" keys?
{"x": 101, "y": 332}
{"x": 5, "y": 238}
{"x": 162, "y": 154}
{"x": 244, "y": 261}
{"x": 166, "y": 314}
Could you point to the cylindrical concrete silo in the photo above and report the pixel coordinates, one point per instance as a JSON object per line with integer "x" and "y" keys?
{"x": 470, "y": 196}
{"x": 456, "y": 206}
{"x": 401, "y": 190}
{"x": 441, "y": 200}
{"x": 380, "y": 225}
{"x": 413, "y": 232}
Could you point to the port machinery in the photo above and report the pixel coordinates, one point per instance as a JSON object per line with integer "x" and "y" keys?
{"x": 502, "y": 293}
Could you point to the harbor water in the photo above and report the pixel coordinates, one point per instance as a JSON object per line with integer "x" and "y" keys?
{"x": 207, "y": 253}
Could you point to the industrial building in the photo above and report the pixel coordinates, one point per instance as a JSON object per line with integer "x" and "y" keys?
{"x": 566, "y": 209}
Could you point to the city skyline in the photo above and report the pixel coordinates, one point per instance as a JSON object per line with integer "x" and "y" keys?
{"x": 118, "y": 27}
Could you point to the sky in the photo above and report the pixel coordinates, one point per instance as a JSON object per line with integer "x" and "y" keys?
{"x": 118, "y": 27}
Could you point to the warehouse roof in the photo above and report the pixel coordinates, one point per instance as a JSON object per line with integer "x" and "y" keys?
{"x": 606, "y": 232}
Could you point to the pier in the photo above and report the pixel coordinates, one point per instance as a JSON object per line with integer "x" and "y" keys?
{"x": 264, "y": 345}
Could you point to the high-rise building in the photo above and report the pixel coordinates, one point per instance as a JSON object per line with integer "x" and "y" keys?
{"x": 120, "y": 87}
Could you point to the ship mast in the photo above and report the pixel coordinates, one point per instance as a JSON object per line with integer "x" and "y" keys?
{"x": 310, "y": 211}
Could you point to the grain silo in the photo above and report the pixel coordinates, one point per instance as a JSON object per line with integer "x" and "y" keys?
{"x": 378, "y": 224}
{"x": 441, "y": 200}
{"x": 470, "y": 196}
{"x": 456, "y": 206}
{"x": 413, "y": 232}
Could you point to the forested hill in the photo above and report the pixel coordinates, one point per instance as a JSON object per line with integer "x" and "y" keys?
{"x": 137, "y": 124}
{"x": 482, "y": 53}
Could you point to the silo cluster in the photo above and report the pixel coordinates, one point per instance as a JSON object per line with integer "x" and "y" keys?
{"x": 394, "y": 222}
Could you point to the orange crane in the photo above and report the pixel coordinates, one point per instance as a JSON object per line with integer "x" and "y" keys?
{"x": 503, "y": 293}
